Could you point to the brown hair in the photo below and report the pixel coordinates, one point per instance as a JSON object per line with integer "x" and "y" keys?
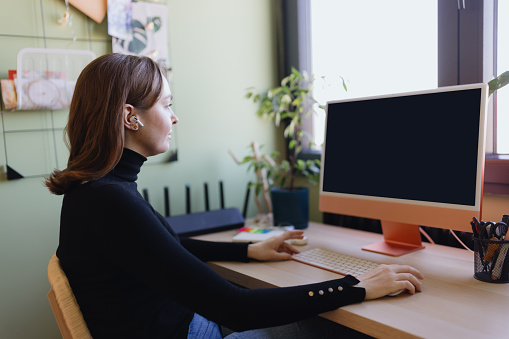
{"x": 95, "y": 130}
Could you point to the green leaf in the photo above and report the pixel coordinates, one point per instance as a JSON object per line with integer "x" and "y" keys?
{"x": 246, "y": 159}
{"x": 285, "y": 81}
{"x": 291, "y": 144}
{"x": 258, "y": 188}
{"x": 498, "y": 82}
{"x": 139, "y": 41}
{"x": 344, "y": 84}
{"x": 157, "y": 22}
{"x": 137, "y": 24}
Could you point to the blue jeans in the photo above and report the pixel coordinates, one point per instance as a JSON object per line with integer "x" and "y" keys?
{"x": 201, "y": 328}
{"x": 314, "y": 327}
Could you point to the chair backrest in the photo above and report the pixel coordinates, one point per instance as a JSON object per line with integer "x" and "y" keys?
{"x": 64, "y": 305}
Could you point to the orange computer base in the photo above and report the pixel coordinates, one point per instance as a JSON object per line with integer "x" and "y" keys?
{"x": 399, "y": 239}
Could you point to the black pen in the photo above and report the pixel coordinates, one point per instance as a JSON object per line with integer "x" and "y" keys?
{"x": 474, "y": 230}
{"x": 475, "y": 225}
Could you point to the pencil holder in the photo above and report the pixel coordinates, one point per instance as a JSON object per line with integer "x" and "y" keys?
{"x": 490, "y": 260}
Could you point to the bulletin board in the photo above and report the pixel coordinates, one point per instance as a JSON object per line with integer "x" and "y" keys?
{"x": 39, "y": 91}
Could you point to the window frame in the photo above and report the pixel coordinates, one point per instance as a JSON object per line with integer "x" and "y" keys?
{"x": 466, "y": 54}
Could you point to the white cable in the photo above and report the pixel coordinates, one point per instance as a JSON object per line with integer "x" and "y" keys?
{"x": 461, "y": 242}
{"x": 426, "y": 235}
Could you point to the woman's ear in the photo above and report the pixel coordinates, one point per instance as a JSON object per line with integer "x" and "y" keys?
{"x": 129, "y": 122}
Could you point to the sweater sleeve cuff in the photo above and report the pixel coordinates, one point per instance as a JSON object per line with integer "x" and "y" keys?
{"x": 358, "y": 293}
{"x": 244, "y": 252}
{"x": 350, "y": 280}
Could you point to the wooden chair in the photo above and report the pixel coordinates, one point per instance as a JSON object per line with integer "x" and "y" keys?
{"x": 64, "y": 305}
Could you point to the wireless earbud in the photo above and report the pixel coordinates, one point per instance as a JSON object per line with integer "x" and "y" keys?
{"x": 137, "y": 120}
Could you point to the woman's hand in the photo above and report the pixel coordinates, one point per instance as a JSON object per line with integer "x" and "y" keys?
{"x": 387, "y": 279}
{"x": 274, "y": 248}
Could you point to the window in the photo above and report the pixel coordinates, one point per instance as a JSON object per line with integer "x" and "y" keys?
{"x": 466, "y": 51}
{"x": 373, "y": 48}
{"x": 502, "y": 65}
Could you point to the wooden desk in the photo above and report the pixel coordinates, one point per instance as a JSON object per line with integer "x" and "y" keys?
{"x": 453, "y": 304}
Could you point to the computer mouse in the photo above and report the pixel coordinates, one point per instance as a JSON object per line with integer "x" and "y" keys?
{"x": 299, "y": 242}
{"x": 394, "y": 294}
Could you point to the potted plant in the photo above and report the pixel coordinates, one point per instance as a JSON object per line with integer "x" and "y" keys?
{"x": 288, "y": 104}
{"x": 262, "y": 165}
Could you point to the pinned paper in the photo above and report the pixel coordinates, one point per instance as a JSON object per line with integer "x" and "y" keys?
{"x": 120, "y": 18}
{"x": 94, "y": 9}
{"x": 149, "y": 33}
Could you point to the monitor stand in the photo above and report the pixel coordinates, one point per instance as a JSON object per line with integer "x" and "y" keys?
{"x": 399, "y": 239}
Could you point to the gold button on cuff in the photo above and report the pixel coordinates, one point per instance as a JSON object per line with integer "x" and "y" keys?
{"x": 330, "y": 289}
{"x": 340, "y": 288}
{"x": 311, "y": 293}
{"x": 320, "y": 292}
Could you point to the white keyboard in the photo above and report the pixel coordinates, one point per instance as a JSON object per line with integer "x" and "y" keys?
{"x": 335, "y": 262}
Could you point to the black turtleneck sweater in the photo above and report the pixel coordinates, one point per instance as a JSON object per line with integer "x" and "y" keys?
{"x": 134, "y": 278}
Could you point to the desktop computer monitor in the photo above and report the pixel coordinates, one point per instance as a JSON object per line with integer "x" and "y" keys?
{"x": 409, "y": 159}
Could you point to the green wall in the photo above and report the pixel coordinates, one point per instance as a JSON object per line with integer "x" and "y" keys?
{"x": 217, "y": 49}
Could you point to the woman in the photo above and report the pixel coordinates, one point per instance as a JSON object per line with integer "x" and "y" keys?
{"x": 131, "y": 274}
